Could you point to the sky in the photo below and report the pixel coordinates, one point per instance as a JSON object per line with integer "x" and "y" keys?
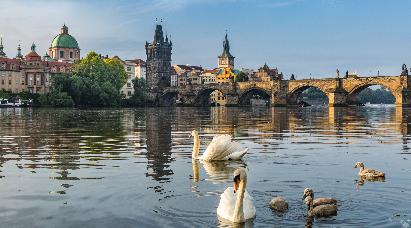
{"x": 310, "y": 38}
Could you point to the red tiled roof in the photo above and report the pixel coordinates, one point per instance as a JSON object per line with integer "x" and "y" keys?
{"x": 32, "y": 56}
{"x": 9, "y": 63}
{"x": 58, "y": 66}
{"x": 189, "y": 68}
{"x": 138, "y": 62}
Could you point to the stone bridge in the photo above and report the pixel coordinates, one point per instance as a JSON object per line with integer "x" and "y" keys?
{"x": 340, "y": 91}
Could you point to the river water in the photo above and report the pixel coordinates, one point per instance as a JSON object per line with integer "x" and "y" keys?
{"x": 133, "y": 167}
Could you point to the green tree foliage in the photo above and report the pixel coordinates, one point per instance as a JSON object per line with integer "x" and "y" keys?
{"x": 139, "y": 97}
{"x": 55, "y": 99}
{"x": 374, "y": 96}
{"x": 241, "y": 77}
{"x": 378, "y": 96}
{"x": 314, "y": 93}
{"x": 93, "y": 81}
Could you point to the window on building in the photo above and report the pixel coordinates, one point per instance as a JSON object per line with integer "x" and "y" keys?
{"x": 71, "y": 55}
{"x": 2, "y": 82}
{"x": 128, "y": 68}
{"x": 9, "y": 82}
{"x": 129, "y": 84}
{"x": 61, "y": 54}
{"x": 129, "y": 93}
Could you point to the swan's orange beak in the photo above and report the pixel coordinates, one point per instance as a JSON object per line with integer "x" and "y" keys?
{"x": 236, "y": 183}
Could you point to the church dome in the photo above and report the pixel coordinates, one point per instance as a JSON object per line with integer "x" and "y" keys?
{"x": 64, "y": 40}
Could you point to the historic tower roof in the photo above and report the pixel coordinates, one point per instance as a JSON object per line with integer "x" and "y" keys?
{"x": 32, "y": 55}
{"x": 158, "y": 72}
{"x": 226, "y": 48}
{"x": 2, "y": 54}
{"x": 64, "y": 40}
{"x": 19, "y": 55}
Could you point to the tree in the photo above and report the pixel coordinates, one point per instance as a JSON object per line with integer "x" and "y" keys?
{"x": 139, "y": 97}
{"x": 241, "y": 77}
{"x": 93, "y": 81}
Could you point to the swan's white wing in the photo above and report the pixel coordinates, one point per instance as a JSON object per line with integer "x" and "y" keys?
{"x": 226, "y": 206}
{"x": 248, "y": 206}
{"x": 237, "y": 155}
{"x": 221, "y": 147}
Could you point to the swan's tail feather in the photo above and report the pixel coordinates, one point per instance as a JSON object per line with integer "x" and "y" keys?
{"x": 222, "y": 148}
{"x": 237, "y": 155}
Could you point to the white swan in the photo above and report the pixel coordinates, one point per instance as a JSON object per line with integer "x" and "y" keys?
{"x": 220, "y": 148}
{"x": 236, "y": 205}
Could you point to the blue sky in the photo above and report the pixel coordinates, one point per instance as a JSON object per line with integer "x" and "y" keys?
{"x": 297, "y": 36}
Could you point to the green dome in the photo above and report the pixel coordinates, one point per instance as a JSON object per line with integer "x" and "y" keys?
{"x": 64, "y": 41}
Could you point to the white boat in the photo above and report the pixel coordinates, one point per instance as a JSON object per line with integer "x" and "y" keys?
{"x": 7, "y": 103}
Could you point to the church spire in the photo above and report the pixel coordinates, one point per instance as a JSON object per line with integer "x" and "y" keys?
{"x": 158, "y": 35}
{"x": 226, "y": 47}
{"x": 19, "y": 55}
{"x": 33, "y": 47}
{"x": 2, "y": 54}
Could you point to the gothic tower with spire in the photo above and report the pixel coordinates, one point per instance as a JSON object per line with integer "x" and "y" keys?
{"x": 19, "y": 55}
{"x": 226, "y": 59}
{"x": 158, "y": 71}
{"x": 2, "y": 54}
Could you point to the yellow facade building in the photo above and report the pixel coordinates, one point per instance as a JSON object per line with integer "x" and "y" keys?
{"x": 218, "y": 98}
{"x": 226, "y": 75}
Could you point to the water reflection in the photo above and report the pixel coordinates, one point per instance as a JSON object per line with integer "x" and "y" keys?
{"x": 217, "y": 171}
{"x": 158, "y": 140}
{"x": 361, "y": 181}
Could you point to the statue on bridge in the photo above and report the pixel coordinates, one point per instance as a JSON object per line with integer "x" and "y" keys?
{"x": 338, "y": 73}
{"x": 404, "y": 70}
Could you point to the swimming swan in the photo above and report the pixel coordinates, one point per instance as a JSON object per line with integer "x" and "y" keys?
{"x": 279, "y": 204}
{"x": 220, "y": 148}
{"x": 319, "y": 201}
{"x": 368, "y": 173}
{"x": 321, "y": 210}
{"x": 236, "y": 205}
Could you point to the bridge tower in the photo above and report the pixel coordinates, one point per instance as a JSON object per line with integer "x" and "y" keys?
{"x": 226, "y": 59}
{"x": 158, "y": 72}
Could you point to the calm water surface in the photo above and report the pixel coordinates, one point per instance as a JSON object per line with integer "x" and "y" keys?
{"x": 133, "y": 167}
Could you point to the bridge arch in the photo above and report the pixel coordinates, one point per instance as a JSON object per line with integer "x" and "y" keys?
{"x": 254, "y": 92}
{"x": 169, "y": 98}
{"x": 294, "y": 95}
{"x": 354, "y": 92}
{"x": 203, "y": 97}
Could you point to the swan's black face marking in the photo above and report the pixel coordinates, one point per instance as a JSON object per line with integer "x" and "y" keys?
{"x": 236, "y": 182}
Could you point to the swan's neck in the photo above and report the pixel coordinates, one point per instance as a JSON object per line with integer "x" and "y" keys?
{"x": 361, "y": 168}
{"x": 238, "y": 215}
{"x": 310, "y": 206}
{"x": 196, "y": 147}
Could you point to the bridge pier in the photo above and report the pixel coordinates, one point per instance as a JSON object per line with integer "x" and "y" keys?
{"x": 337, "y": 98}
{"x": 403, "y": 98}
{"x": 278, "y": 94}
{"x": 232, "y": 100}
